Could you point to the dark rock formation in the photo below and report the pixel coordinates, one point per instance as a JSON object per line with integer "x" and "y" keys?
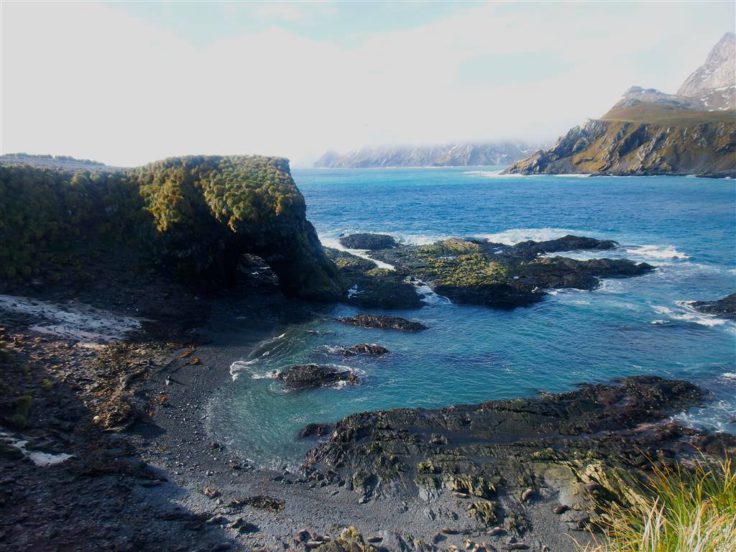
{"x": 365, "y": 349}
{"x": 502, "y": 276}
{"x": 368, "y": 241}
{"x": 194, "y": 217}
{"x": 649, "y": 132}
{"x": 531, "y": 249}
{"x": 505, "y": 457}
{"x": 316, "y": 430}
{"x": 368, "y": 286}
{"x": 725, "y": 308}
{"x": 311, "y": 376}
{"x": 383, "y": 322}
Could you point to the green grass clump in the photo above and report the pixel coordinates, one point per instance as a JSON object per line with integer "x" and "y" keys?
{"x": 22, "y": 411}
{"x": 466, "y": 270}
{"x": 679, "y": 510}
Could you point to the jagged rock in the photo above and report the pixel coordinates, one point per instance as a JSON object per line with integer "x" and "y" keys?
{"x": 502, "y": 276}
{"x": 725, "y": 308}
{"x": 363, "y": 349}
{"x": 316, "y": 430}
{"x": 309, "y": 376}
{"x": 368, "y": 241}
{"x": 383, "y": 322}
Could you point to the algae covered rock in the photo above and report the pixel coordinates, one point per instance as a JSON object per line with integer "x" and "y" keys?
{"x": 195, "y": 217}
{"x": 209, "y": 210}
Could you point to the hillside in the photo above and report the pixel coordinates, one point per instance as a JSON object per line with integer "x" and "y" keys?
{"x": 650, "y": 132}
{"x": 191, "y": 217}
{"x": 63, "y": 162}
{"x": 447, "y": 155}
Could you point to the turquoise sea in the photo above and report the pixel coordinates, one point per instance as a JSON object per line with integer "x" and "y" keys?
{"x": 685, "y": 226}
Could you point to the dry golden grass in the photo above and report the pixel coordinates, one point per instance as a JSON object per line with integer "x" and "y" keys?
{"x": 680, "y": 510}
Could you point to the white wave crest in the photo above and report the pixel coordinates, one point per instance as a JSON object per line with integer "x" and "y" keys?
{"x": 657, "y": 252}
{"x": 686, "y": 313}
{"x": 334, "y": 243}
{"x": 512, "y": 236}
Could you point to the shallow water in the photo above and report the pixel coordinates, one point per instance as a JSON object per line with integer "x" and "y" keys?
{"x": 685, "y": 226}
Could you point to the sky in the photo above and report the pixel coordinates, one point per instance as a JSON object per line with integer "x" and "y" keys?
{"x": 129, "y": 83}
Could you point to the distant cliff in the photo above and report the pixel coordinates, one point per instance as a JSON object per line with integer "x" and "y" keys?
{"x": 192, "y": 217}
{"x": 650, "y": 132}
{"x": 447, "y": 155}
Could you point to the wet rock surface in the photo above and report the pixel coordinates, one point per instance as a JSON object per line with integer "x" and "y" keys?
{"x": 551, "y": 461}
{"x": 383, "y": 322}
{"x": 312, "y": 376}
{"x": 370, "y": 242}
{"x": 725, "y": 308}
{"x": 480, "y": 272}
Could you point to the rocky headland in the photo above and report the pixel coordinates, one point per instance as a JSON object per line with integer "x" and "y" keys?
{"x": 118, "y": 293}
{"x": 651, "y": 133}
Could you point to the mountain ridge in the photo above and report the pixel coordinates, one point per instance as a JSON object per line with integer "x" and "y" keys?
{"x": 650, "y": 132}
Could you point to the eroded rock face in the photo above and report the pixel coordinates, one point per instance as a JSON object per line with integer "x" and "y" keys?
{"x": 725, "y": 308}
{"x": 210, "y": 210}
{"x": 383, "y": 322}
{"x": 312, "y": 376}
{"x": 508, "y": 460}
{"x": 368, "y": 241}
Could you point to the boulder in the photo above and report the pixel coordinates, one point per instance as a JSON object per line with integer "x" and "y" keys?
{"x": 383, "y": 322}
{"x": 311, "y": 376}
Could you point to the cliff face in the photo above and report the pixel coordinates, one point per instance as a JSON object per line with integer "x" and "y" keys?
{"x": 194, "y": 217}
{"x": 448, "y": 155}
{"x": 635, "y": 148}
{"x": 650, "y": 132}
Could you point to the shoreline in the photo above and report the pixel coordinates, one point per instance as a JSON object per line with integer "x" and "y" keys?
{"x": 180, "y": 482}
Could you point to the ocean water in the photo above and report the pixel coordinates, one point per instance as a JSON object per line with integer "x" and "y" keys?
{"x": 685, "y": 226}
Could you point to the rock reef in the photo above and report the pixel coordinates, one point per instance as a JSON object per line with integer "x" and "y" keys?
{"x": 725, "y": 308}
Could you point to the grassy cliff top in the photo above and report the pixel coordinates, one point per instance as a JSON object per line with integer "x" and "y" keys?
{"x": 651, "y": 113}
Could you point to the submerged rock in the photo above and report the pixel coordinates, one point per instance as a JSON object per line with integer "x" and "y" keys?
{"x": 368, "y": 241}
{"x": 316, "y": 430}
{"x": 311, "y": 376}
{"x": 725, "y": 308}
{"x": 383, "y": 322}
{"x": 363, "y": 349}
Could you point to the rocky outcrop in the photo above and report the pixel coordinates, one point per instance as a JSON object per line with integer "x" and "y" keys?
{"x": 448, "y": 155}
{"x": 193, "y": 217}
{"x": 363, "y": 349}
{"x": 649, "y": 133}
{"x": 370, "y": 242}
{"x": 312, "y": 376}
{"x": 503, "y": 276}
{"x": 725, "y": 308}
{"x": 383, "y": 322}
{"x": 369, "y": 286}
{"x": 714, "y": 82}
{"x": 510, "y": 464}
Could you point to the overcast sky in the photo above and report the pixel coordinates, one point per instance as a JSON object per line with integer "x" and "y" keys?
{"x": 130, "y": 83}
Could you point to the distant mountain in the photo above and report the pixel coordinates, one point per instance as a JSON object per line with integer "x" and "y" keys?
{"x": 54, "y": 162}
{"x": 447, "y": 155}
{"x": 650, "y": 132}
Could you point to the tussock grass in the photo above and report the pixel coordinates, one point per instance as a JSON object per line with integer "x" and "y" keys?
{"x": 679, "y": 510}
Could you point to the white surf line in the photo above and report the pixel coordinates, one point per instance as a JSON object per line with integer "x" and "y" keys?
{"x": 79, "y": 321}
{"x": 42, "y": 459}
{"x": 362, "y": 253}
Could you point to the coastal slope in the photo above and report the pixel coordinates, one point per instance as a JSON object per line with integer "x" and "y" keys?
{"x": 195, "y": 218}
{"x": 651, "y": 133}
{"x": 446, "y": 155}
